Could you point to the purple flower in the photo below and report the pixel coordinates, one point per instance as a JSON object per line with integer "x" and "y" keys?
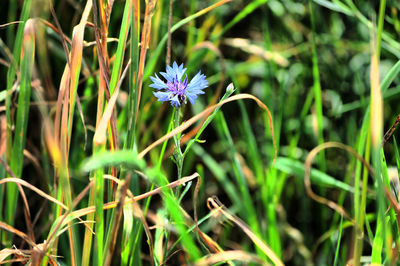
{"x": 176, "y": 88}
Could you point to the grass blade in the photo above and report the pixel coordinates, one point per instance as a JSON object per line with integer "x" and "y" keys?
{"x": 335, "y": 261}
{"x": 17, "y": 159}
{"x": 317, "y": 89}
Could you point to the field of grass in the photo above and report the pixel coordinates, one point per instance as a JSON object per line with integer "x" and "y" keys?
{"x": 211, "y": 132}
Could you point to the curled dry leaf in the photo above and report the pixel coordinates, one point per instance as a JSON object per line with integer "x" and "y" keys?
{"x": 307, "y": 183}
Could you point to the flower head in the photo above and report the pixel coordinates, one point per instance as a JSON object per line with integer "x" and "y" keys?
{"x": 176, "y": 88}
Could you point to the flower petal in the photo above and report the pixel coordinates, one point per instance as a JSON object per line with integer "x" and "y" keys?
{"x": 167, "y": 76}
{"x": 158, "y": 83}
{"x": 179, "y": 70}
{"x": 175, "y": 101}
{"x": 174, "y": 72}
{"x": 162, "y": 96}
{"x": 192, "y": 97}
{"x": 197, "y": 84}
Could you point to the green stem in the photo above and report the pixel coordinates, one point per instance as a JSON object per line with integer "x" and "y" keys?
{"x": 177, "y": 138}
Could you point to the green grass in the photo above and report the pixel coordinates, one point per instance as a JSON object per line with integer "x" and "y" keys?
{"x": 283, "y": 160}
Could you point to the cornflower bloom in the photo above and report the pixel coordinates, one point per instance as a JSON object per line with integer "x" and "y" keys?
{"x": 176, "y": 89}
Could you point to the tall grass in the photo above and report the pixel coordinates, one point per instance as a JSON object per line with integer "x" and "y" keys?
{"x": 283, "y": 160}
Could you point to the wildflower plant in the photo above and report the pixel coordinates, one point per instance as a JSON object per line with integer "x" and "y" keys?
{"x": 177, "y": 89}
